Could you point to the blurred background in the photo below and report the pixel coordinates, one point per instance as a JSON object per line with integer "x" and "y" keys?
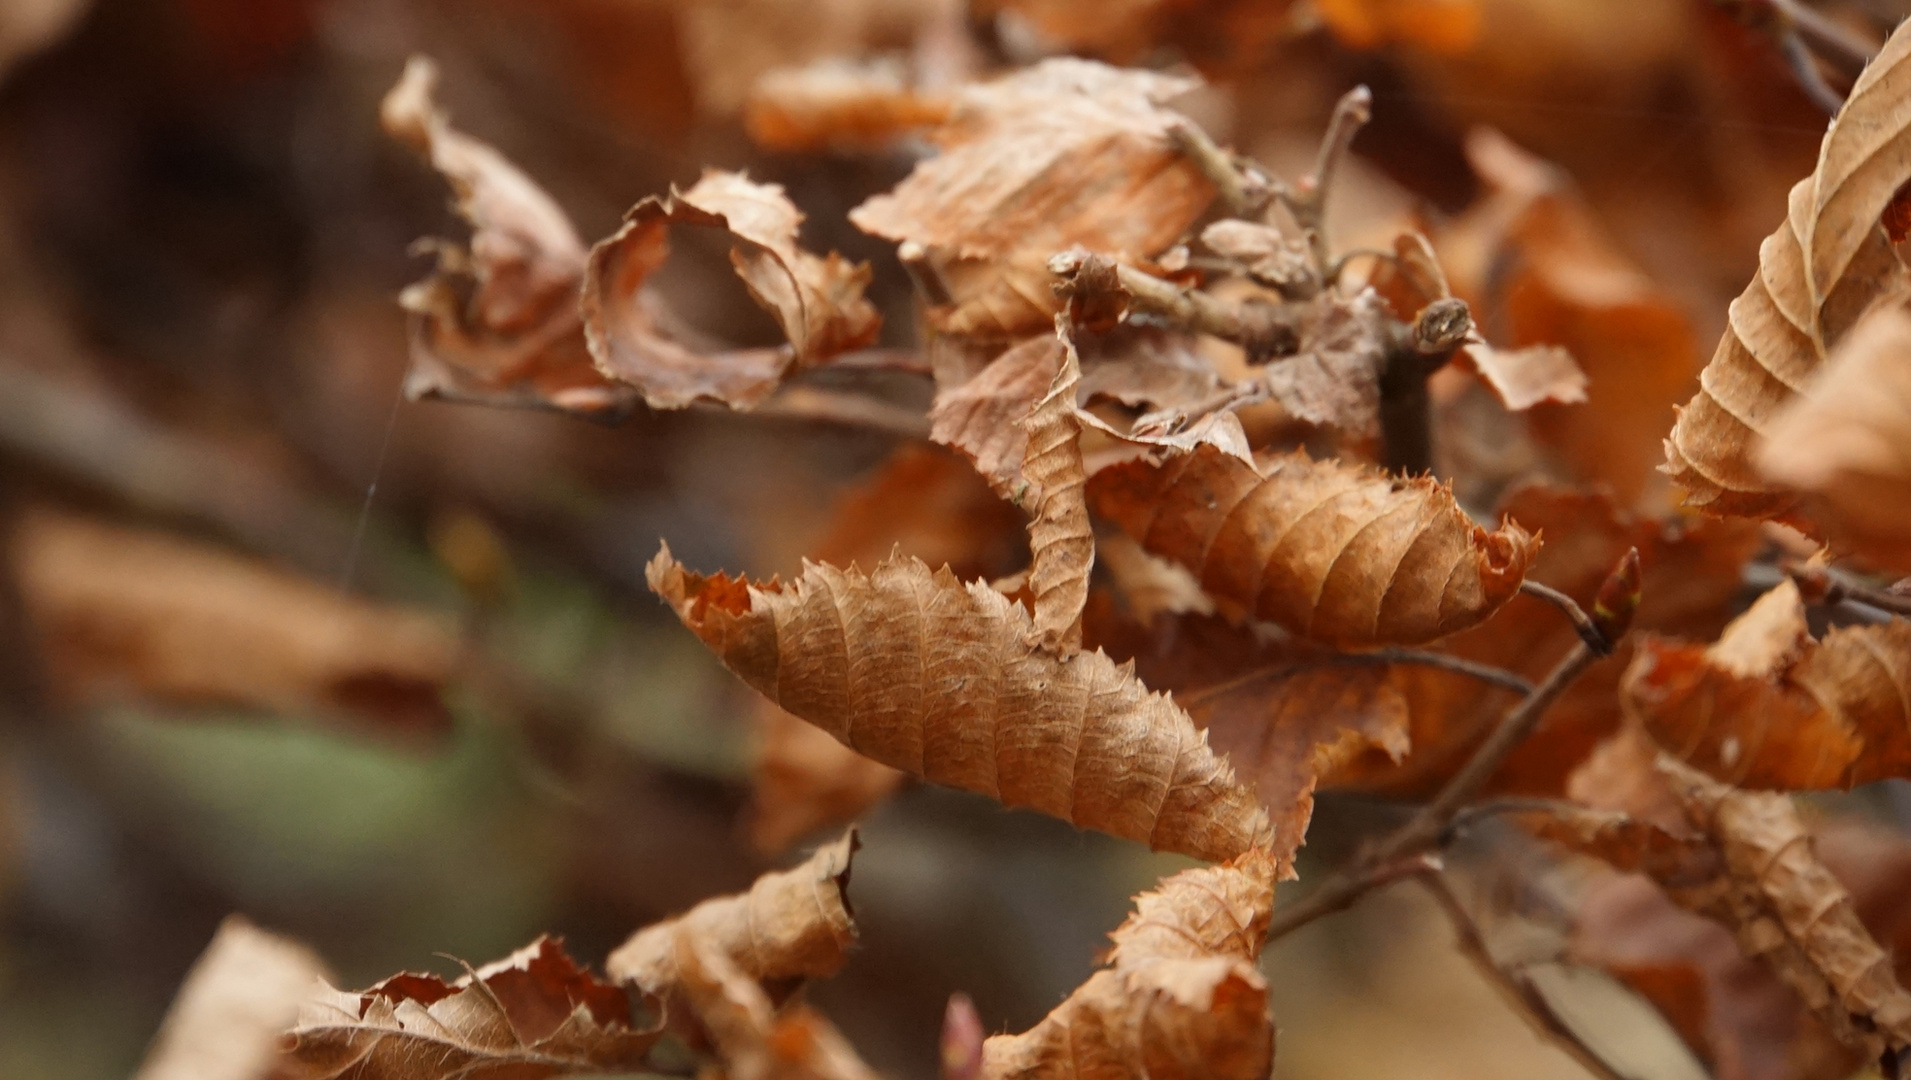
{"x": 384, "y": 676}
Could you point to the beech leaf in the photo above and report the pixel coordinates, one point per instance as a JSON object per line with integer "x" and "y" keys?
{"x": 1179, "y": 996}
{"x": 752, "y": 1039}
{"x": 817, "y": 301}
{"x": 1817, "y": 275}
{"x": 929, "y": 675}
{"x": 531, "y": 1015}
{"x": 1341, "y": 553}
{"x": 790, "y": 924}
{"x": 497, "y": 323}
{"x": 241, "y": 993}
{"x": 1767, "y": 707}
{"x": 1060, "y": 539}
{"x": 1845, "y": 442}
{"x": 1012, "y": 187}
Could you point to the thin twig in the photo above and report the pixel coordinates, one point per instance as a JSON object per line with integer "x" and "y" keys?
{"x": 845, "y": 409}
{"x": 1340, "y": 892}
{"x": 1265, "y": 329}
{"x": 1842, "y": 592}
{"x": 1518, "y": 989}
{"x": 1491, "y": 808}
{"x": 1240, "y": 185}
{"x": 1486, "y": 673}
{"x": 1424, "y": 830}
{"x": 1307, "y": 201}
{"x": 1582, "y": 622}
{"x": 1832, "y": 41}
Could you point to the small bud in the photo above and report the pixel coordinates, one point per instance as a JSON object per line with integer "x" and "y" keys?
{"x": 1618, "y": 599}
{"x": 961, "y": 1040}
{"x": 1442, "y": 326}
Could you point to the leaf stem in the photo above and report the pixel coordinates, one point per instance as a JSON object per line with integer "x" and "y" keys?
{"x": 1582, "y": 622}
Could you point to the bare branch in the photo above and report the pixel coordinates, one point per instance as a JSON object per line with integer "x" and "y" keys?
{"x": 1244, "y": 190}
{"x": 1582, "y": 622}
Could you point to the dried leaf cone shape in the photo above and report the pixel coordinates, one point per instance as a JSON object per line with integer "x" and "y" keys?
{"x": 1060, "y": 538}
{"x": 1178, "y": 998}
{"x": 1817, "y": 275}
{"x": 935, "y": 677}
{"x": 790, "y": 924}
{"x": 1340, "y": 553}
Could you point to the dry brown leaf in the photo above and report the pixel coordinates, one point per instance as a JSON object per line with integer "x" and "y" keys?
{"x": 1817, "y": 274}
{"x": 750, "y": 1037}
{"x": 120, "y": 612}
{"x": 497, "y": 322}
{"x": 791, "y": 924}
{"x": 1527, "y": 377}
{"x": 1223, "y": 36}
{"x": 924, "y": 502}
{"x": 1147, "y": 368}
{"x": 1539, "y": 269}
{"x": 1064, "y": 154}
{"x": 242, "y": 992}
{"x": 1149, "y": 586}
{"x": 921, "y": 672}
{"x": 1845, "y": 442}
{"x": 1789, "y": 911}
{"x": 1692, "y": 574}
{"x": 531, "y": 1015}
{"x": 982, "y": 418}
{"x": 1767, "y": 707}
{"x": 1179, "y": 997}
{"x": 1060, "y": 539}
{"x": 1333, "y": 382}
{"x": 836, "y": 104}
{"x": 1285, "y": 713}
{"x": 817, "y": 301}
{"x": 1339, "y": 553}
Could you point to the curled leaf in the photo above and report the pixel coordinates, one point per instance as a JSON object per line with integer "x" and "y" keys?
{"x": 790, "y": 924}
{"x": 1010, "y": 188}
{"x": 1817, "y": 274}
{"x": 531, "y": 1015}
{"x": 1060, "y": 539}
{"x": 1527, "y": 377}
{"x": 1179, "y": 997}
{"x": 1845, "y": 442}
{"x": 817, "y": 301}
{"x": 1337, "y": 552}
{"x": 1767, "y": 707}
{"x": 497, "y": 323}
{"x": 929, "y": 675}
{"x": 982, "y": 418}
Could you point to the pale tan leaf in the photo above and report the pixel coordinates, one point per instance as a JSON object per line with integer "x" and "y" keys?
{"x": 497, "y": 323}
{"x": 126, "y": 613}
{"x": 790, "y": 924}
{"x": 1060, "y": 539}
{"x": 804, "y": 780}
{"x": 1339, "y": 553}
{"x": 817, "y": 301}
{"x": 1064, "y": 154}
{"x": 1526, "y": 377}
{"x": 532, "y": 1015}
{"x": 839, "y": 105}
{"x": 1179, "y": 997}
{"x": 1817, "y": 274}
{"x": 931, "y": 676}
{"x": 242, "y": 992}
{"x": 1334, "y": 381}
{"x": 1845, "y": 442}
{"x": 1767, "y": 707}
{"x": 982, "y": 418}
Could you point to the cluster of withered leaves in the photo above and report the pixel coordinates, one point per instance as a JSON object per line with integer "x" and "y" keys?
{"x": 1747, "y": 862}
{"x": 1107, "y": 296}
{"x": 525, "y": 314}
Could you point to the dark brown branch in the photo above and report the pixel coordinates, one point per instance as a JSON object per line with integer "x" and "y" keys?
{"x": 1486, "y": 673}
{"x": 1343, "y": 890}
{"x": 1516, "y": 987}
{"x": 1414, "y": 353}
